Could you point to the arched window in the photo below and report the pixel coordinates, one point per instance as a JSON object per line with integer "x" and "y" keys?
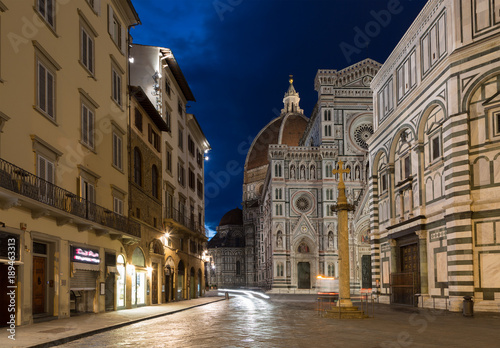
{"x": 137, "y": 166}
{"x": 154, "y": 181}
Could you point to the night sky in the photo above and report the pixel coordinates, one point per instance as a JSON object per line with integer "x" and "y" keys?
{"x": 237, "y": 55}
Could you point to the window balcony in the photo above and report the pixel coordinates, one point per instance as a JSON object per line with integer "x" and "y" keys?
{"x": 181, "y": 220}
{"x": 20, "y": 187}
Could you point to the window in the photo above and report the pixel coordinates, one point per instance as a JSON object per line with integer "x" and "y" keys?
{"x": 154, "y": 181}
{"x": 190, "y": 145}
{"x": 137, "y": 166}
{"x": 278, "y": 194}
{"x": 138, "y": 119}
{"x": 154, "y": 138}
{"x": 46, "y": 10}
{"x": 277, "y": 170}
{"x": 199, "y": 158}
{"x": 118, "y": 205}
{"x": 328, "y": 171}
{"x": 95, "y": 5}
{"x": 406, "y": 75}
{"x": 168, "y": 120}
{"x": 181, "y": 174}
{"x": 88, "y": 122}
{"x": 87, "y": 51}
{"x": 327, "y": 115}
{"x": 199, "y": 185}
{"x": 383, "y": 182}
{"x": 167, "y": 87}
{"x": 168, "y": 158}
{"x": 87, "y": 189}
{"x": 433, "y": 44}
{"x": 385, "y": 102}
{"x": 406, "y": 170}
{"x": 181, "y": 139}
{"x": 116, "y": 87}
{"x": 435, "y": 147}
{"x": 180, "y": 108}
{"x": 496, "y": 121}
{"x": 116, "y": 30}
{"x": 238, "y": 268}
{"x": 328, "y": 131}
{"x": 117, "y": 151}
{"x": 191, "y": 179}
{"x": 45, "y": 171}
{"x": 45, "y": 90}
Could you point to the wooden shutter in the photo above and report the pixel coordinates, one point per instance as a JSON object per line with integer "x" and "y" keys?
{"x": 110, "y": 21}
{"x": 124, "y": 39}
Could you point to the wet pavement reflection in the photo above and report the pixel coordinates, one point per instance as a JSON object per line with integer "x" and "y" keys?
{"x": 292, "y": 321}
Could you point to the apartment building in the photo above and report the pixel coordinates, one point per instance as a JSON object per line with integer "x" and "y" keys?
{"x": 157, "y": 72}
{"x": 63, "y": 172}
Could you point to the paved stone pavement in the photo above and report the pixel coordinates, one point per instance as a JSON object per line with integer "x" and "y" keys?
{"x": 293, "y": 321}
{"x": 49, "y": 333}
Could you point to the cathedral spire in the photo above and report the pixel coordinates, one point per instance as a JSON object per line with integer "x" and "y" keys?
{"x": 291, "y": 100}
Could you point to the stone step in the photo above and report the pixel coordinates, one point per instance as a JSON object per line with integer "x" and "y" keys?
{"x": 345, "y": 313}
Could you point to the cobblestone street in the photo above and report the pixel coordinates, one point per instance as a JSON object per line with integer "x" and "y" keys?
{"x": 292, "y": 321}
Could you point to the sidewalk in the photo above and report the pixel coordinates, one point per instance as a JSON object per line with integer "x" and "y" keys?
{"x": 59, "y": 331}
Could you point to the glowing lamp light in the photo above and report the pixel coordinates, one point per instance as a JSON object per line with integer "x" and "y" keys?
{"x": 130, "y": 269}
{"x": 131, "y": 60}
{"x": 206, "y": 158}
{"x": 149, "y": 269}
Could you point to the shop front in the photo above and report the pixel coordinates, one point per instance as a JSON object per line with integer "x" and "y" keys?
{"x": 121, "y": 282}
{"x": 139, "y": 278}
{"x": 85, "y": 267}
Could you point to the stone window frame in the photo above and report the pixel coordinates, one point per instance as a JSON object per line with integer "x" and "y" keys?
{"x": 168, "y": 158}
{"x": 43, "y": 58}
{"x": 118, "y": 195}
{"x": 46, "y": 151}
{"x": 119, "y": 133}
{"x": 85, "y": 175}
{"x": 87, "y": 29}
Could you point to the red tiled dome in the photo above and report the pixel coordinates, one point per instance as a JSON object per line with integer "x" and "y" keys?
{"x": 287, "y": 130}
{"x": 232, "y": 217}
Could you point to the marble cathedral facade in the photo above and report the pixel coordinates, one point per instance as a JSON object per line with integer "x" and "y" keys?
{"x": 289, "y": 188}
{"x": 434, "y": 179}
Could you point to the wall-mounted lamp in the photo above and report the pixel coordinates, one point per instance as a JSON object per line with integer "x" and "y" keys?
{"x": 131, "y": 59}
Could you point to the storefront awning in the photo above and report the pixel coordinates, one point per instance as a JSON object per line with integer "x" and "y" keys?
{"x": 112, "y": 269}
{"x": 85, "y": 267}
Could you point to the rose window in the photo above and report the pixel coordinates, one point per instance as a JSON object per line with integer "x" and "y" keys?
{"x": 361, "y": 135}
{"x": 303, "y": 204}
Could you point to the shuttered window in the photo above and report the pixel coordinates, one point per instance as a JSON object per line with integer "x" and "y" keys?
{"x": 45, "y": 90}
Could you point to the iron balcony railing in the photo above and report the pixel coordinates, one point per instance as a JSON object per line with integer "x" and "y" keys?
{"x": 29, "y": 185}
{"x": 183, "y": 219}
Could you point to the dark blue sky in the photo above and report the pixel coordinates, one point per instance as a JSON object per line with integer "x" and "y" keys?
{"x": 237, "y": 54}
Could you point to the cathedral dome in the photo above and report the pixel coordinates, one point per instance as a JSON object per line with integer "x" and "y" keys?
{"x": 232, "y": 217}
{"x": 286, "y": 129}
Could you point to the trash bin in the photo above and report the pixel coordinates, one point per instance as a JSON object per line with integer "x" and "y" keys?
{"x": 468, "y": 308}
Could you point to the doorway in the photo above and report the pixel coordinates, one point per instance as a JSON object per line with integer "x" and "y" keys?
{"x": 154, "y": 284}
{"x": 304, "y": 275}
{"x": 366, "y": 271}
{"x": 39, "y": 283}
{"x": 406, "y": 283}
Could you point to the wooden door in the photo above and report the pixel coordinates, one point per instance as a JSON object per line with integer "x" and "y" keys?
{"x": 154, "y": 285}
{"x": 304, "y": 275}
{"x": 39, "y": 273}
{"x": 410, "y": 267}
{"x": 366, "y": 272}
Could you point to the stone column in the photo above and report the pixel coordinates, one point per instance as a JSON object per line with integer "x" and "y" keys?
{"x": 422, "y": 251}
{"x": 401, "y": 205}
{"x": 410, "y": 201}
{"x": 343, "y": 240}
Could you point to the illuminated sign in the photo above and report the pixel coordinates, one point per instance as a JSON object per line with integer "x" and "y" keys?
{"x": 85, "y": 255}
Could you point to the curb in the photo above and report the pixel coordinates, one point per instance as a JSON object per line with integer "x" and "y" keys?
{"x": 112, "y": 327}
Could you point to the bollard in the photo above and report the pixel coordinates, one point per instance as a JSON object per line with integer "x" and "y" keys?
{"x": 468, "y": 306}
{"x": 226, "y": 296}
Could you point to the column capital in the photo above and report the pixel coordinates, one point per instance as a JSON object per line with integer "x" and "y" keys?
{"x": 392, "y": 242}
{"x": 421, "y": 234}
